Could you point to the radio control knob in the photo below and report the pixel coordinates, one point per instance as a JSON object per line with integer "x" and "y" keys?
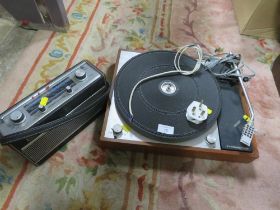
{"x": 80, "y": 74}
{"x": 17, "y": 116}
{"x": 42, "y": 108}
{"x": 68, "y": 89}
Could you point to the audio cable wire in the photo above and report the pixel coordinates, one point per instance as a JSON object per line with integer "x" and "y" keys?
{"x": 177, "y": 70}
{"x": 210, "y": 61}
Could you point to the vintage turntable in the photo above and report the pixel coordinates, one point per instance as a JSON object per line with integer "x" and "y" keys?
{"x": 192, "y": 115}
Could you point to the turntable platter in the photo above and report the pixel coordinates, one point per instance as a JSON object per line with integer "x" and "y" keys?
{"x": 159, "y": 105}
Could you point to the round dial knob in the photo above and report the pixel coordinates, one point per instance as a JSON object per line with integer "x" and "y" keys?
{"x": 68, "y": 89}
{"x": 42, "y": 108}
{"x": 80, "y": 74}
{"x": 17, "y": 116}
{"x": 117, "y": 130}
{"x": 211, "y": 141}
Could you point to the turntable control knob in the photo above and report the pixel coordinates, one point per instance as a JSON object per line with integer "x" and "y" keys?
{"x": 80, "y": 74}
{"x": 117, "y": 130}
{"x": 211, "y": 140}
{"x": 17, "y": 116}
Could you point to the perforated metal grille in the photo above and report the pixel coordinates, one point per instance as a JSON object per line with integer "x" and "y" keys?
{"x": 42, "y": 147}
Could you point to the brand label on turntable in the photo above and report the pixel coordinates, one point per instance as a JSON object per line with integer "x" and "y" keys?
{"x": 165, "y": 129}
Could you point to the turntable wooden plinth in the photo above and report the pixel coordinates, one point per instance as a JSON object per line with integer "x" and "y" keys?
{"x": 140, "y": 143}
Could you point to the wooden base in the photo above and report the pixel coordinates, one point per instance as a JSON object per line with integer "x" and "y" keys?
{"x": 205, "y": 153}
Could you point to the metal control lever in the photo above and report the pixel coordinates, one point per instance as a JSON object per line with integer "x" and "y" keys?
{"x": 248, "y": 129}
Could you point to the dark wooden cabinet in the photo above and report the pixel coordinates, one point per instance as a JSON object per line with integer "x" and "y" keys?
{"x": 38, "y": 14}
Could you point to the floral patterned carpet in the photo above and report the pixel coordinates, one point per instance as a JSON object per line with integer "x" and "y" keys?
{"x": 82, "y": 175}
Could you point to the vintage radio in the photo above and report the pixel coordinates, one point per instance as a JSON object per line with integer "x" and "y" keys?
{"x": 41, "y": 123}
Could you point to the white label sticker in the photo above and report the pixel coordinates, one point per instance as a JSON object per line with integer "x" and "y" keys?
{"x": 165, "y": 129}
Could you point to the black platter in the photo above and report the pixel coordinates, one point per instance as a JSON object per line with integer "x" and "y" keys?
{"x": 153, "y": 106}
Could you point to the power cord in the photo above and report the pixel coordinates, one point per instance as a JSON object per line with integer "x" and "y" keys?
{"x": 234, "y": 64}
{"x": 178, "y": 70}
{"x": 235, "y": 70}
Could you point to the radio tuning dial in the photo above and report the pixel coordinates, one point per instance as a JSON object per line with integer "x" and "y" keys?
{"x": 69, "y": 89}
{"x": 42, "y": 108}
{"x": 80, "y": 74}
{"x": 17, "y": 116}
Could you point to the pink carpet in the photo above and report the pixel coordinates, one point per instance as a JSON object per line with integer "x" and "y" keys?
{"x": 83, "y": 176}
